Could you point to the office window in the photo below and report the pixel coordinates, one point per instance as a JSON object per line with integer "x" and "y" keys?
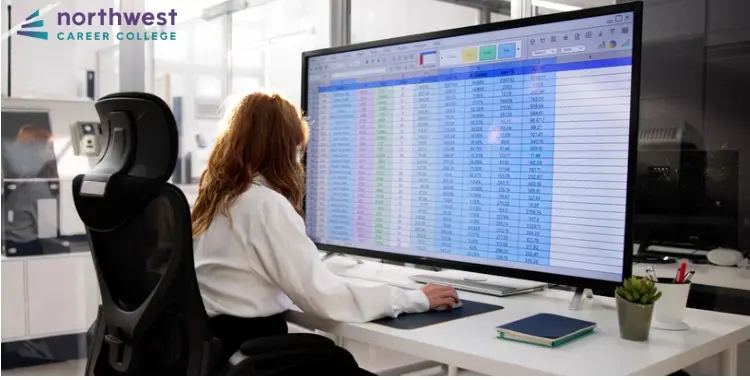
{"x": 268, "y": 40}
{"x": 190, "y": 73}
{"x": 107, "y": 71}
{"x": 59, "y": 67}
{"x": 209, "y": 42}
{"x": 375, "y": 20}
{"x": 173, "y": 51}
{"x": 247, "y": 56}
{"x": 245, "y": 85}
{"x": 545, "y": 7}
{"x": 496, "y": 17}
{"x": 187, "y": 10}
{"x": 208, "y": 86}
{"x": 169, "y": 85}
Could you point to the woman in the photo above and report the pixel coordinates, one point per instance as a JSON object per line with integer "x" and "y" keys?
{"x": 253, "y": 259}
{"x": 31, "y": 156}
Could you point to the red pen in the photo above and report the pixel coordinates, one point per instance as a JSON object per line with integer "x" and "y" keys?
{"x": 681, "y": 275}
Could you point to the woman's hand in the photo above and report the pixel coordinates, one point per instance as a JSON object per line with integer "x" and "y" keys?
{"x": 440, "y": 295}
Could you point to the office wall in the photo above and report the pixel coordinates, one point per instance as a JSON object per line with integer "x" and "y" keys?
{"x": 258, "y": 47}
{"x": 672, "y": 75}
{"x": 727, "y": 115}
{"x": 59, "y": 67}
{"x": 283, "y": 65}
{"x": 695, "y": 70}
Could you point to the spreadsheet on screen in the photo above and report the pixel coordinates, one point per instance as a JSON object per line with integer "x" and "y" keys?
{"x": 506, "y": 148}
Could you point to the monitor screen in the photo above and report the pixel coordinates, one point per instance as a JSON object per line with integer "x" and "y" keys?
{"x": 507, "y": 148}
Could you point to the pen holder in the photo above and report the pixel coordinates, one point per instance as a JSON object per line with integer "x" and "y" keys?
{"x": 669, "y": 311}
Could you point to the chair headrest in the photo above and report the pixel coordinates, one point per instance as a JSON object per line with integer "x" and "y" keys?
{"x": 142, "y": 144}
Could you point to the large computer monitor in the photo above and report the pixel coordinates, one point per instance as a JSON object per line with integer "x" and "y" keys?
{"x": 506, "y": 148}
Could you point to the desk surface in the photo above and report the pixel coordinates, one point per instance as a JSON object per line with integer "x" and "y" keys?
{"x": 471, "y": 343}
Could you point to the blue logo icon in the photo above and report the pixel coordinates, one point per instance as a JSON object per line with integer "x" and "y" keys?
{"x": 32, "y": 25}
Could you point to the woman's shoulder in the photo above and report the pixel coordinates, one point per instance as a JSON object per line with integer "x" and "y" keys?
{"x": 258, "y": 199}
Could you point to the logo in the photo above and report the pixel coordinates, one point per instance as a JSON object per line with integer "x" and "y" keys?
{"x": 33, "y": 25}
{"x": 111, "y": 17}
{"x": 75, "y": 26}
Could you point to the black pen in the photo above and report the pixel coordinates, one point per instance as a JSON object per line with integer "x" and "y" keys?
{"x": 689, "y": 276}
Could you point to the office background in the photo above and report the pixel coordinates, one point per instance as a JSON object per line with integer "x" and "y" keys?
{"x": 695, "y": 72}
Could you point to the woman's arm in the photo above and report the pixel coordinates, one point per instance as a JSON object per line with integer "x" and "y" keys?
{"x": 292, "y": 261}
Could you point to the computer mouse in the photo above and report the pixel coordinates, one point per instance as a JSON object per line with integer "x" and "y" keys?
{"x": 455, "y": 306}
{"x": 724, "y": 257}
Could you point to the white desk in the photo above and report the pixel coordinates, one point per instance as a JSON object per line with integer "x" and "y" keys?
{"x": 471, "y": 343}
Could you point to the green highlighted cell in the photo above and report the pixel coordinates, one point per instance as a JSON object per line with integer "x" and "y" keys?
{"x": 487, "y": 53}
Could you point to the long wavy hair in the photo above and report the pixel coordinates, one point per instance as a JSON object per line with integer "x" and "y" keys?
{"x": 265, "y": 136}
{"x": 33, "y": 133}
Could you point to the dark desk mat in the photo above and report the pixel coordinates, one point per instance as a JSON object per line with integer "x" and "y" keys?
{"x": 432, "y": 317}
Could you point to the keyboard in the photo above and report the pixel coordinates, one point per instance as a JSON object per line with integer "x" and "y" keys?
{"x": 477, "y": 286}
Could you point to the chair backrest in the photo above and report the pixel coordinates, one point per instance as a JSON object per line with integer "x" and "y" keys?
{"x": 152, "y": 319}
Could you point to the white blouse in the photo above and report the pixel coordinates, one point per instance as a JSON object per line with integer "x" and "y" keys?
{"x": 263, "y": 263}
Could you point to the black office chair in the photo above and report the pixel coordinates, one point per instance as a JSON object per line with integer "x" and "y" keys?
{"x": 152, "y": 320}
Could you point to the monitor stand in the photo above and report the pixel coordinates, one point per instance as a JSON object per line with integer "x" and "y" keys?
{"x": 579, "y": 296}
{"x": 330, "y": 254}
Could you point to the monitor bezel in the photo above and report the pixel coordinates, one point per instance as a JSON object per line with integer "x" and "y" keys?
{"x": 637, "y": 9}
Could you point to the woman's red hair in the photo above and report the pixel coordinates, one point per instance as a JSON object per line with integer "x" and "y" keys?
{"x": 33, "y": 133}
{"x": 265, "y": 134}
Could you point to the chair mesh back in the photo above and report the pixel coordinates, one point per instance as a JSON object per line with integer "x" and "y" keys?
{"x": 152, "y": 320}
{"x": 137, "y": 253}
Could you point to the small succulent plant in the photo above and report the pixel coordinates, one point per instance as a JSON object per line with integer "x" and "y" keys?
{"x": 638, "y": 290}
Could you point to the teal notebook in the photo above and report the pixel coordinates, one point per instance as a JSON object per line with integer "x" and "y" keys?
{"x": 544, "y": 329}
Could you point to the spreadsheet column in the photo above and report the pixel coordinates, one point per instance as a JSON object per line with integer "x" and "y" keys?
{"x": 341, "y": 175}
{"x": 364, "y": 163}
{"x": 537, "y": 163}
{"x": 506, "y": 139}
{"x": 403, "y": 113}
{"x": 319, "y": 152}
{"x": 475, "y": 208}
{"x": 426, "y": 169}
{"x": 311, "y": 173}
{"x": 383, "y": 165}
{"x": 592, "y": 112}
{"x": 446, "y": 176}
